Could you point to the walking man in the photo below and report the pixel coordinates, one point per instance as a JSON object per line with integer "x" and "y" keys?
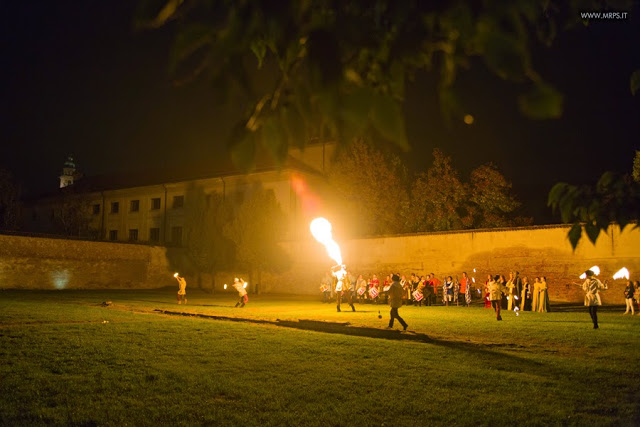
{"x": 395, "y": 301}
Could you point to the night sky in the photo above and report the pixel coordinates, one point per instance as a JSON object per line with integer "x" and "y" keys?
{"x": 78, "y": 79}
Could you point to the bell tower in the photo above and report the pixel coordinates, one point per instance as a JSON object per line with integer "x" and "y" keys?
{"x": 68, "y": 173}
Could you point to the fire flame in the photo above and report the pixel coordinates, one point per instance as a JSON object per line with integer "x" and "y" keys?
{"x": 321, "y": 230}
{"x": 595, "y": 269}
{"x": 623, "y": 273}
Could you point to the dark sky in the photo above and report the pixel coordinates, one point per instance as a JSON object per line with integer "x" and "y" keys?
{"x": 77, "y": 79}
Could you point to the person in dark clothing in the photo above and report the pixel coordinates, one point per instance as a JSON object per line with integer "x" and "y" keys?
{"x": 395, "y": 301}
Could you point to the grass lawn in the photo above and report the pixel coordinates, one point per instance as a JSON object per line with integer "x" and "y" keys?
{"x": 295, "y": 361}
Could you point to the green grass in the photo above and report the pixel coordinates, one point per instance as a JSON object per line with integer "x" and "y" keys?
{"x": 67, "y": 360}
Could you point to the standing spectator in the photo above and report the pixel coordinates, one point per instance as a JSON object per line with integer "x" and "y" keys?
{"x": 456, "y": 291}
{"x": 487, "y": 296}
{"x": 428, "y": 291}
{"x": 395, "y": 301}
{"x": 422, "y": 286}
{"x": 362, "y": 288}
{"x": 406, "y": 293}
{"x": 465, "y": 288}
{"x": 517, "y": 281}
{"x": 374, "y": 289}
{"x": 510, "y": 292}
{"x": 591, "y": 288}
{"x": 496, "y": 290}
{"x": 543, "y": 298}
{"x": 503, "y": 301}
{"x": 628, "y": 296}
{"x": 525, "y": 304}
{"x": 435, "y": 284}
{"x": 447, "y": 290}
{"x": 385, "y": 288}
{"x": 325, "y": 287}
{"x": 636, "y": 286}
{"x": 536, "y": 294}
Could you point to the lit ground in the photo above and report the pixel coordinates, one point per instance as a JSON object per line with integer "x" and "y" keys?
{"x": 294, "y": 361}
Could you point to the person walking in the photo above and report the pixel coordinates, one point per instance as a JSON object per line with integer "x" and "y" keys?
{"x": 395, "y": 301}
{"x": 496, "y": 290}
{"x": 182, "y": 288}
{"x": 592, "y": 286}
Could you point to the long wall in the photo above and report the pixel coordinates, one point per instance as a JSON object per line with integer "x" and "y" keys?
{"x": 533, "y": 251}
{"x": 45, "y": 263}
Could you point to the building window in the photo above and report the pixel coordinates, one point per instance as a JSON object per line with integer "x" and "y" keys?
{"x": 113, "y": 234}
{"x": 134, "y": 206}
{"x": 115, "y": 207}
{"x": 155, "y": 203}
{"x": 133, "y": 234}
{"x": 154, "y": 234}
{"x": 96, "y": 209}
{"x": 178, "y": 201}
{"x": 176, "y": 236}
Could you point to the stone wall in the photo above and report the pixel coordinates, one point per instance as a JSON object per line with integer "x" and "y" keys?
{"x": 45, "y": 263}
{"x": 50, "y": 263}
{"x": 533, "y": 251}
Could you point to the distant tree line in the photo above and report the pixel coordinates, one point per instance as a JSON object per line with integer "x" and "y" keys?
{"x": 382, "y": 197}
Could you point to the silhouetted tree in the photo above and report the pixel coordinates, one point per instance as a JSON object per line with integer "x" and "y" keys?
{"x": 9, "y": 201}
{"x": 256, "y": 228}
{"x": 371, "y": 189}
{"x": 207, "y": 248}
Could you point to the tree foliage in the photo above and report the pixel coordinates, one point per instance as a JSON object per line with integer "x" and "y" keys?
{"x": 9, "y": 201}
{"x": 207, "y": 247}
{"x": 338, "y": 69}
{"x": 371, "y": 185}
{"x": 491, "y": 199}
{"x": 384, "y": 199}
{"x": 615, "y": 198}
{"x": 72, "y": 214}
{"x": 255, "y": 228}
{"x": 438, "y": 197}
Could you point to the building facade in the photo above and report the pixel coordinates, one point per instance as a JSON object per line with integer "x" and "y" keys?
{"x": 156, "y": 212}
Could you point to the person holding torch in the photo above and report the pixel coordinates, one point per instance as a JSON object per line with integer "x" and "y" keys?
{"x": 182, "y": 288}
{"x": 591, "y": 287}
{"x": 240, "y": 286}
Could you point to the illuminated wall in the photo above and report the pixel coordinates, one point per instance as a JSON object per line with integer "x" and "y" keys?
{"x": 42, "y": 263}
{"x": 533, "y": 251}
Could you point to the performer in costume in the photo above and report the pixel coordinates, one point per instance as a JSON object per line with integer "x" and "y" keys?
{"x": 517, "y": 281}
{"x": 543, "y": 298}
{"x": 525, "y": 296}
{"x": 374, "y": 289}
{"x": 182, "y": 288}
{"x": 591, "y": 288}
{"x": 325, "y": 288}
{"x": 362, "y": 289}
{"x": 536, "y": 294}
{"x": 510, "y": 292}
{"x": 242, "y": 291}
{"x": 496, "y": 289}
{"x": 343, "y": 288}
{"x": 447, "y": 290}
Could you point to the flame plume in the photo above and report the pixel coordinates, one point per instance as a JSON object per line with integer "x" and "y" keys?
{"x": 321, "y": 230}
